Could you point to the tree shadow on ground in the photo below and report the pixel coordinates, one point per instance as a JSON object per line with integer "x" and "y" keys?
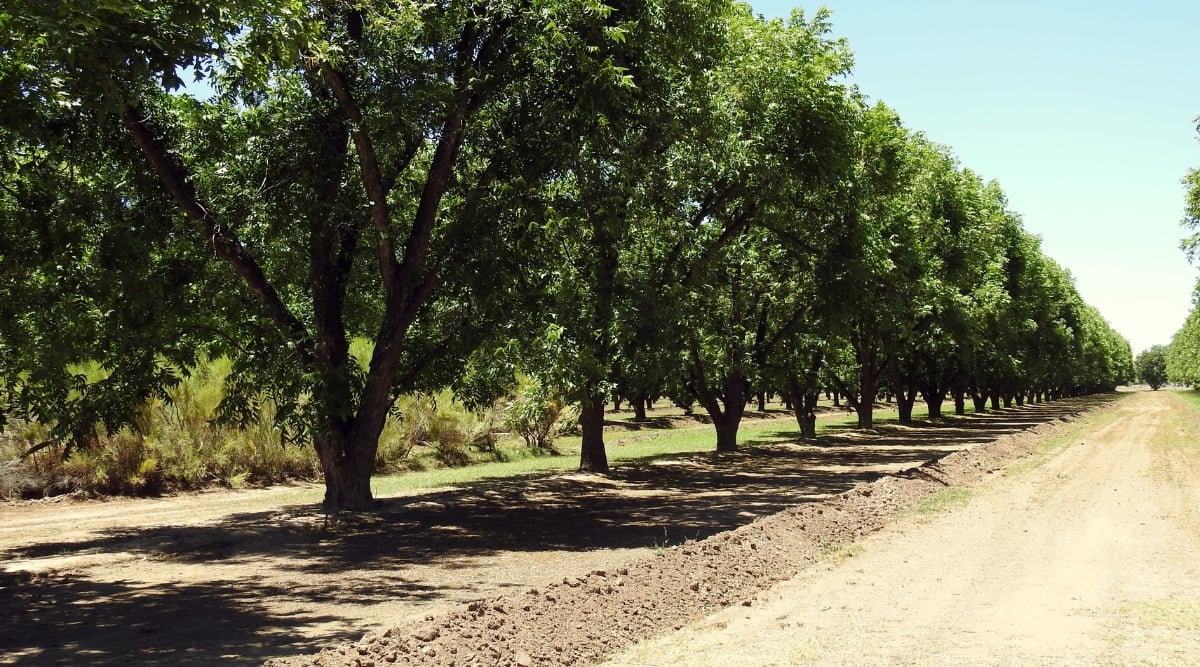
{"x": 74, "y": 621}
{"x": 363, "y": 559}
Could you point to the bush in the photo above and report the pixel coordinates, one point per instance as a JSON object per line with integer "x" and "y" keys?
{"x": 175, "y": 444}
{"x": 539, "y": 416}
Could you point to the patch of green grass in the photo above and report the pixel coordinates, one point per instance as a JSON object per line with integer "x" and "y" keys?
{"x": 633, "y": 445}
{"x": 1169, "y": 614}
{"x": 1152, "y": 632}
{"x": 392, "y": 485}
{"x": 1189, "y": 395}
{"x": 945, "y": 500}
{"x": 625, "y": 446}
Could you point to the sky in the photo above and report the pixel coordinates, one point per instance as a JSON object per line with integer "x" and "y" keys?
{"x": 1084, "y": 112}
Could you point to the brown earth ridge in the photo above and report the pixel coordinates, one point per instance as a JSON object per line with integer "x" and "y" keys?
{"x": 582, "y": 619}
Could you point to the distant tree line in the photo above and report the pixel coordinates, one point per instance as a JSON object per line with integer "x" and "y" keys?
{"x": 649, "y": 198}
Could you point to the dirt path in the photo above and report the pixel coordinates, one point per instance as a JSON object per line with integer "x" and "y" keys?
{"x": 1092, "y": 558}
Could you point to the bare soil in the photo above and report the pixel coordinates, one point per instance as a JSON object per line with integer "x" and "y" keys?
{"x": 546, "y": 569}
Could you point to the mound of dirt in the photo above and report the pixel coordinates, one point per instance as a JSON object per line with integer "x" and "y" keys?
{"x": 582, "y": 619}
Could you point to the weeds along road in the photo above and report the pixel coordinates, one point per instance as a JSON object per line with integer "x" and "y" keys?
{"x": 1088, "y": 556}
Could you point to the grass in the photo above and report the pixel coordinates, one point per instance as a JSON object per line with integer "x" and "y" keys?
{"x": 1189, "y": 395}
{"x": 621, "y": 446}
{"x": 945, "y": 500}
{"x": 1154, "y": 632}
{"x": 839, "y": 552}
{"x": 1170, "y": 614}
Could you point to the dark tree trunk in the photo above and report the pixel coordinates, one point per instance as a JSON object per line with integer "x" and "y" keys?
{"x": 904, "y": 404}
{"x": 867, "y": 387}
{"x": 933, "y": 401}
{"x": 727, "y": 430}
{"x": 837, "y": 399}
{"x": 347, "y": 463}
{"x": 979, "y": 401}
{"x": 803, "y": 406}
{"x": 592, "y": 457}
{"x": 934, "y": 395}
{"x": 639, "y": 407}
{"x": 905, "y": 397}
{"x": 1020, "y": 399}
{"x": 1008, "y": 400}
{"x": 995, "y": 400}
{"x": 726, "y": 410}
{"x": 762, "y": 401}
{"x": 806, "y": 416}
{"x": 616, "y": 404}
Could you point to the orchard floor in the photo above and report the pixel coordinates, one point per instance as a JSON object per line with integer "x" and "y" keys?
{"x": 643, "y": 556}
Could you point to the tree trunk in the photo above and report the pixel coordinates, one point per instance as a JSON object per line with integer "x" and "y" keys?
{"x": 727, "y": 430}
{"x": 995, "y": 399}
{"x": 1008, "y": 400}
{"x": 639, "y": 407}
{"x": 867, "y": 387}
{"x": 933, "y": 401}
{"x": 904, "y": 397}
{"x": 726, "y": 411}
{"x": 1020, "y": 398}
{"x": 592, "y": 457}
{"x": 762, "y": 401}
{"x": 347, "y": 465}
{"x": 904, "y": 403}
{"x": 960, "y": 402}
{"x": 979, "y": 401}
{"x": 866, "y": 416}
{"x": 809, "y": 421}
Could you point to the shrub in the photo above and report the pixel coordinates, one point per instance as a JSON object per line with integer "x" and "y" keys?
{"x": 539, "y": 415}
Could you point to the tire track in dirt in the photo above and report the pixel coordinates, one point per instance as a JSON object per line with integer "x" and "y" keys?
{"x": 1090, "y": 558}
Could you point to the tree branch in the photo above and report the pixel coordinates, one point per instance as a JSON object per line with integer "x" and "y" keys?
{"x": 372, "y": 178}
{"x": 224, "y": 242}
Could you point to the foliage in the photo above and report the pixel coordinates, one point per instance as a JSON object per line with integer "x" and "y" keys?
{"x": 1183, "y": 354}
{"x": 1151, "y": 366}
{"x": 538, "y": 414}
{"x": 178, "y": 444}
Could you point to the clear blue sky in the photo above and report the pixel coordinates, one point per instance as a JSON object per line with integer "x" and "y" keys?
{"x": 1083, "y": 111}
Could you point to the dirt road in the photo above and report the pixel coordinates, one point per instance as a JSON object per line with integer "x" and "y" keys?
{"x": 1090, "y": 557}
